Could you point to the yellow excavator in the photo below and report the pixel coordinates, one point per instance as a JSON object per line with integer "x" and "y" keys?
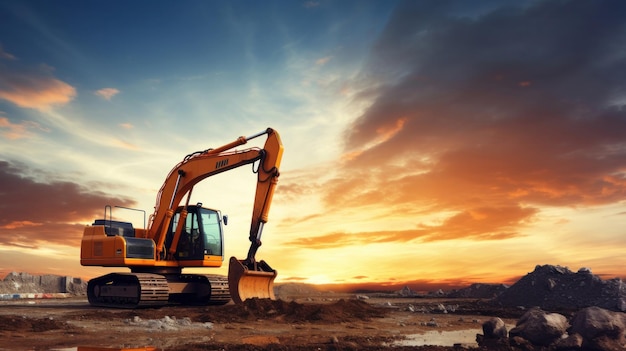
{"x": 183, "y": 235}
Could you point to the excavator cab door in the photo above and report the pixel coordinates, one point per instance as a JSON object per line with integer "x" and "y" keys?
{"x": 202, "y": 234}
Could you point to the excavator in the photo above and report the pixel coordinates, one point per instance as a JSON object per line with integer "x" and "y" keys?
{"x": 180, "y": 235}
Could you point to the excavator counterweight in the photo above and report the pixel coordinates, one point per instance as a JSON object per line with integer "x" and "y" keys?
{"x": 180, "y": 235}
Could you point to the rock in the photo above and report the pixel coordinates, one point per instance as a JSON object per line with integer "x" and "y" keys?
{"x": 520, "y": 343}
{"x": 406, "y": 292}
{"x": 600, "y": 329}
{"x": 571, "y": 342}
{"x": 494, "y": 328}
{"x": 539, "y": 327}
{"x": 437, "y": 293}
{"x": 441, "y": 308}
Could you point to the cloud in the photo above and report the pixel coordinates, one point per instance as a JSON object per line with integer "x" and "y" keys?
{"x": 495, "y": 113}
{"x": 34, "y": 213}
{"x": 34, "y": 88}
{"x": 477, "y": 224}
{"x": 107, "y": 93}
{"x": 124, "y": 144}
{"x": 14, "y": 131}
{"x": 322, "y": 61}
{"x": 5, "y": 55}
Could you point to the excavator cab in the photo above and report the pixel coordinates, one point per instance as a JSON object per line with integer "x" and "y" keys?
{"x": 201, "y": 235}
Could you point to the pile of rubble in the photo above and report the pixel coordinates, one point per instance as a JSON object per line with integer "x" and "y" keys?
{"x": 556, "y": 287}
{"x": 167, "y": 323}
{"x": 24, "y": 283}
{"x": 591, "y": 328}
{"x": 479, "y": 291}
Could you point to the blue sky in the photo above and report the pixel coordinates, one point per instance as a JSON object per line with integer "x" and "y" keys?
{"x": 448, "y": 134}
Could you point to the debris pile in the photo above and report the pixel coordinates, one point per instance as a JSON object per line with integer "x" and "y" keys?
{"x": 556, "y": 287}
{"x": 24, "y": 283}
{"x": 291, "y": 290}
{"x": 479, "y": 291}
{"x": 167, "y": 323}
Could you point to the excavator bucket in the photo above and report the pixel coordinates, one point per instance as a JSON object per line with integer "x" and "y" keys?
{"x": 245, "y": 283}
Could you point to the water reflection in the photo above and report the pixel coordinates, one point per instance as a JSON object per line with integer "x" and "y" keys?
{"x": 91, "y": 348}
{"x": 466, "y": 337}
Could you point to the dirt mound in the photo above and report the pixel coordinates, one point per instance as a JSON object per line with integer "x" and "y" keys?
{"x": 293, "y": 312}
{"x": 287, "y": 290}
{"x": 23, "y": 324}
{"x": 277, "y": 311}
{"x": 556, "y": 287}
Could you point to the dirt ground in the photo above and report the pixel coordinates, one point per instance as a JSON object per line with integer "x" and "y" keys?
{"x": 322, "y": 323}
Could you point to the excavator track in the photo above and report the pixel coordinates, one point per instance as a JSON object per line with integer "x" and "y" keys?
{"x": 220, "y": 295}
{"x": 201, "y": 289}
{"x": 138, "y": 290}
{"x": 128, "y": 290}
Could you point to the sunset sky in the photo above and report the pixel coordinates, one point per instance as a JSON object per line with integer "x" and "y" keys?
{"x": 427, "y": 143}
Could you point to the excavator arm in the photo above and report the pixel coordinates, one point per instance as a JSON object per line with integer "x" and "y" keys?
{"x": 200, "y": 165}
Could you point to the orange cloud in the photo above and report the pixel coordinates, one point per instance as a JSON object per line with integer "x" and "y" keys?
{"x": 35, "y": 90}
{"x": 20, "y": 224}
{"x": 442, "y": 138}
{"x": 475, "y": 224}
{"x": 14, "y": 131}
{"x": 107, "y": 93}
{"x": 384, "y": 133}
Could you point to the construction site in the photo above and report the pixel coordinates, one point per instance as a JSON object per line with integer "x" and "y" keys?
{"x": 52, "y": 313}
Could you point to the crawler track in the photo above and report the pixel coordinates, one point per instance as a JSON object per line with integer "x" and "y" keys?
{"x": 128, "y": 290}
{"x": 137, "y": 290}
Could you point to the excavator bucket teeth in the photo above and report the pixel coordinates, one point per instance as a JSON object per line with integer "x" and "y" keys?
{"x": 244, "y": 283}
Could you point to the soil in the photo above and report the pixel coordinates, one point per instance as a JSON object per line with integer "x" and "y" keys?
{"x": 309, "y": 323}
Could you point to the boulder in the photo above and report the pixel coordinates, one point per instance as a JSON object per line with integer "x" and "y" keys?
{"x": 540, "y": 328}
{"x": 600, "y": 329}
{"x": 494, "y": 328}
{"x": 571, "y": 342}
{"x": 494, "y": 335}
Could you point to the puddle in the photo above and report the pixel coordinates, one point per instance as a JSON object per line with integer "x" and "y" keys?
{"x": 466, "y": 337}
{"x": 89, "y": 348}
